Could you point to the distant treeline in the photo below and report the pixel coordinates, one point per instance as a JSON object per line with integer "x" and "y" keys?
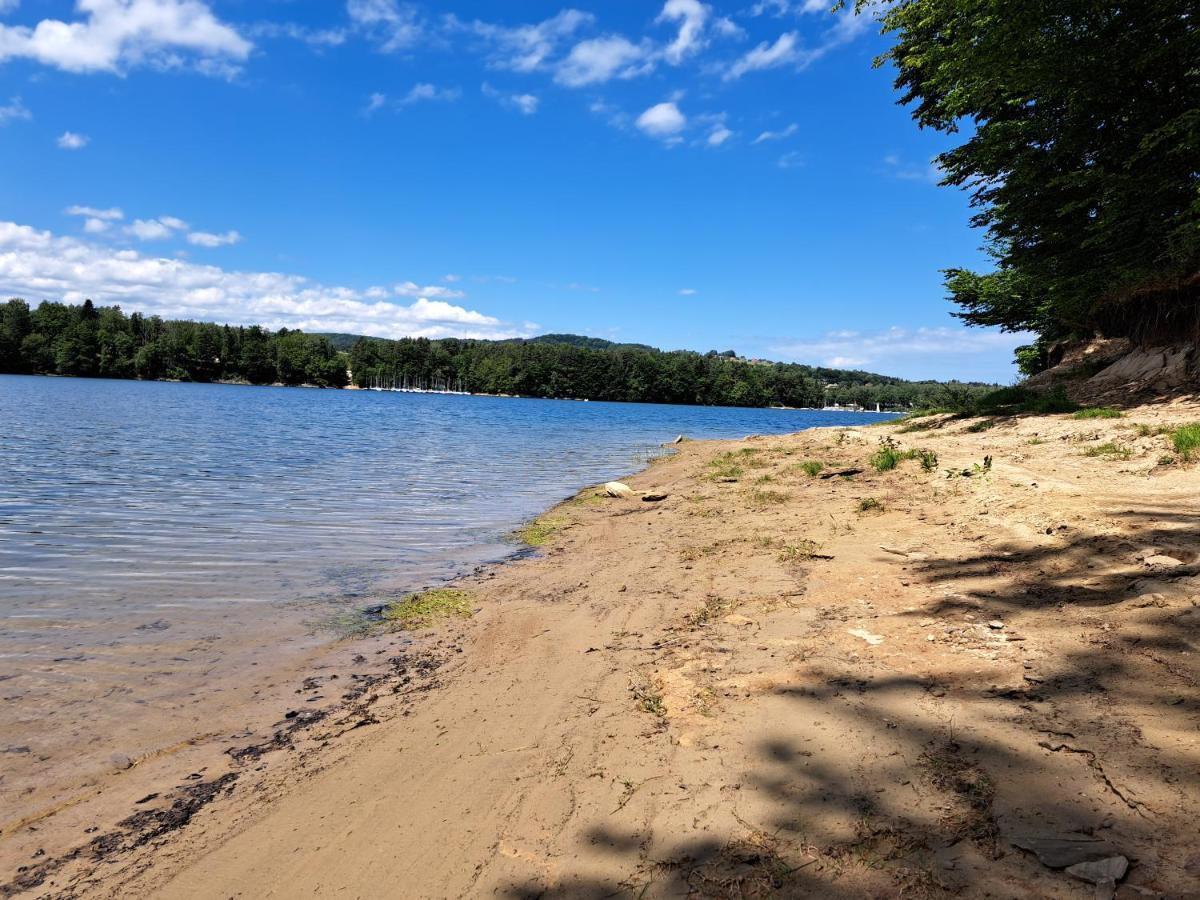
{"x": 588, "y": 368}
{"x": 104, "y": 342}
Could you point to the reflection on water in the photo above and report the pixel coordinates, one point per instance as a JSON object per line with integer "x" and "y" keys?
{"x": 121, "y": 497}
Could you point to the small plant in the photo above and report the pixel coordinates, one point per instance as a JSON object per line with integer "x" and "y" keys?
{"x": 1166, "y": 460}
{"x": 804, "y": 550}
{"x": 1033, "y": 442}
{"x": 1186, "y": 440}
{"x": 981, "y": 425}
{"x": 764, "y": 479}
{"x": 812, "y": 468}
{"x": 886, "y": 457}
{"x": 928, "y": 460}
{"x": 766, "y": 498}
{"x": 713, "y": 608}
{"x": 869, "y": 504}
{"x": 1109, "y": 451}
{"x": 648, "y": 697}
{"x": 1097, "y": 412}
{"x": 424, "y": 608}
{"x": 1144, "y": 430}
{"x": 724, "y": 467}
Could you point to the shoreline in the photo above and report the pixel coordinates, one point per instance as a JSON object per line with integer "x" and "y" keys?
{"x": 754, "y": 683}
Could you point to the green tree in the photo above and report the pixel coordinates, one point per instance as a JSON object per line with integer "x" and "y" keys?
{"x": 1081, "y": 155}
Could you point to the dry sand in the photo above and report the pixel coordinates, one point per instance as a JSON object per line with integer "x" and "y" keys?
{"x": 752, "y": 688}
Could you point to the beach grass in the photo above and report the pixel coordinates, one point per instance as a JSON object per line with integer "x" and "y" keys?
{"x": 1186, "y": 440}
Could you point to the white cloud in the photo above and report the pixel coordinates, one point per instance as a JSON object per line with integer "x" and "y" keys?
{"x": 114, "y": 35}
{"x": 785, "y": 51}
{"x": 396, "y": 26}
{"x": 777, "y": 135}
{"x": 451, "y": 278}
{"x": 526, "y": 48}
{"x": 424, "y": 91}
{"x": 687, "y": 292}
{"x": 897, "y": 168}
{"x": 602, "y": 59}
{"x": 526, "y": 104}
{"x": 840, "y": 349}
{"x": 13, "y": 111}
{"x": 412, "y": 289}
{"x": 663, "y": 120}
{"x": 69, "y": 140}
{"x": 719, "y": 135}
{"x": 208, "y": 239}
{"x": 7, "y": 6}
{"x": 375, "y": 102}
{"x": 792, "y": 160}
{"x": 155, "y": 229}
{"x": 38, "y": 265}
{"x": 317, "y": 38}
{"x": 112, "y": 214}
{"x": 96, "y": 226}
{"x": 692, "y": 15}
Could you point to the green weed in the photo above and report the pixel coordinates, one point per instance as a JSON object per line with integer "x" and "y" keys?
{"x": 1186, "y": 440}
{"x": 1097, "y": 412}
{"x": 424, "y": 608}
{"x": 1109, "y": 450}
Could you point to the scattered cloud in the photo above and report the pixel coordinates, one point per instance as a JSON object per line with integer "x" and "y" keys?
{"x": 687, "y": 292}
{"x": 898, "y": 168}
{"x": 412, "y": 289}
{"x": 423, "y": 91}
{"x": 116, "y": 35}
{"x": 70, "y": 140}
{"x": 96, "y": 226}
{"x": 777, "y": 135}
{"x": 663, "y": 120}
{"x": 692, "y": 15}
{"x": 784, "y": 51}
{"x": 393, "y": 25}
{"x": 37, "y": 264}
{"x": 208, "y": 239}
{"x": 787, "y": 51}
{"x": 375, "y": 103}
{"x": 841, "y": 349}
{"x": 112, "y": 214}
{"x": 451, "y": 279}
{"x": 526, "y": 48}
{"x": 317, "y": 38}
{"x": 155, "y": 229}
{"x": 792, "y": 160}
{"x": 13, "y": 111}
{"x": 526, "y": 104}
{"x": 718, "y": 136}
{"x": 601, "y": 59}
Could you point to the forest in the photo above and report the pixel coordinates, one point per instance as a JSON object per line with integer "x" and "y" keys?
{"x": 104, "y": 342}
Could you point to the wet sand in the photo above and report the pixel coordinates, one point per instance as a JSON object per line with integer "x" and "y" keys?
{"x": 761, "y": 686}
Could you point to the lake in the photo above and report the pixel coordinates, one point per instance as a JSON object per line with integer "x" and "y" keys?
{"x": 167, "y": 550}
{"x": 118, "y": 497}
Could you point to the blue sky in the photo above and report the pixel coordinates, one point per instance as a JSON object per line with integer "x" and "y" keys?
{"x": 702, "y": 175}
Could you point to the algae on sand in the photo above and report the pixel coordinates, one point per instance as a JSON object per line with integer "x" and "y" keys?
{"x": 425, "y": 608}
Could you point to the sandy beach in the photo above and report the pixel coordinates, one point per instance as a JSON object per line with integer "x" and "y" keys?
{"x": 770, "y": 683}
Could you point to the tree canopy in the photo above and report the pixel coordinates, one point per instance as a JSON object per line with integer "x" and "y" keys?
{"x": 1081, "y": 155}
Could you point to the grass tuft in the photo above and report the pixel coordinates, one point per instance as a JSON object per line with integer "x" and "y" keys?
{"x": 425, "y": 608}
{"x": 1186, "y": 440}
{"x": 869, "y": 504}
{"x": 1109, "y": 451}
{"x": 1097, "y": 412}
{"x": 811, "y": 467}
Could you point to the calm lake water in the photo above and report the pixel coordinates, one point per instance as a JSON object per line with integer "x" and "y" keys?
{"x": 119, "y": 497}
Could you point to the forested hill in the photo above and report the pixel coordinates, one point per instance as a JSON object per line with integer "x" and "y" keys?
{"x": 104, "y": 342}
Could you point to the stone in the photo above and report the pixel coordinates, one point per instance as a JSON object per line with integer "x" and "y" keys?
{"x": 872, "y": 639}
{"x": 120, "y": 761}
{"x": 1058, "y": 851}
{"x": 995, "y": 624}
{"x": 1164, "y": 561}
{"x": 618, "y": 489}
{"x": 653, "y": 497}
{"x": 1103, "y": 873}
